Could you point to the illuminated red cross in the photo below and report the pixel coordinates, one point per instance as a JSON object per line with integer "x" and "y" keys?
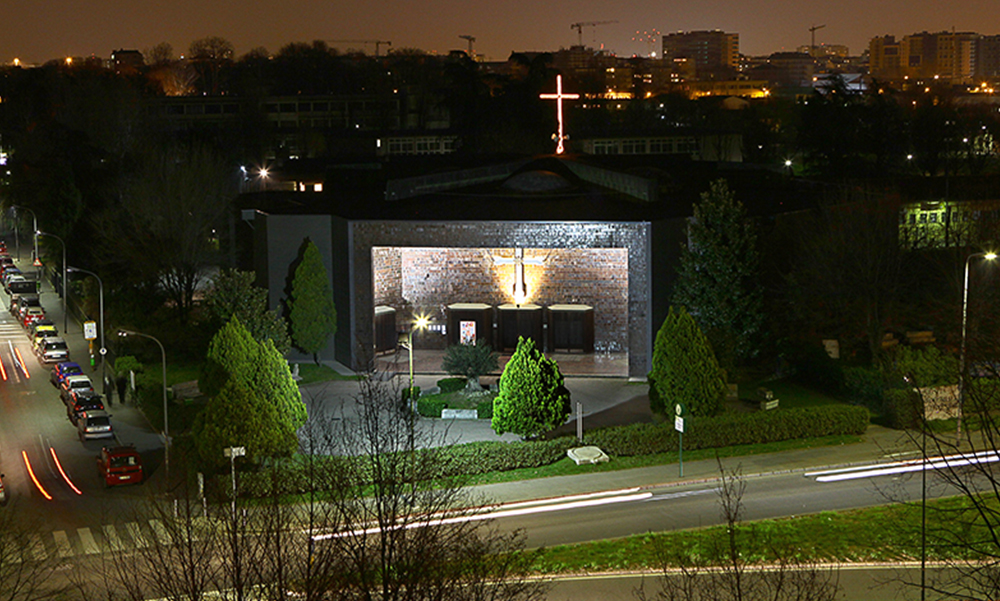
{"x": 558, "y": 97}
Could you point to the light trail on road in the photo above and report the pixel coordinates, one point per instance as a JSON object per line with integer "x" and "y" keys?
{"x": 903, "y": 467}
{"x": 63, "y": 473}
{"x": 20, "y": 361}
{"x": 31, "y": 473}
{"x": 511, "y": 510}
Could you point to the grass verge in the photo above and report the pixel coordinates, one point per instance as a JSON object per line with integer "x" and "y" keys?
{"x": 876, "y": 534}
{"x": 566, "y": 467}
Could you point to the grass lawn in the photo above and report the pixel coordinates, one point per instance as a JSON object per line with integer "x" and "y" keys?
{"x": 312, "y": 373}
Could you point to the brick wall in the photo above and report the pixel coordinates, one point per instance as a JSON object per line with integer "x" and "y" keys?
{"x": 427, "y": 280}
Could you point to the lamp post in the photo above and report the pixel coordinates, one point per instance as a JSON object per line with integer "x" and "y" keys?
{"x": 166, "y": 415}
{"x": 40, "y": 233}
{"x": 420, "y": 324}
{"x": 989, "y": 256}
{"x": 103, "y": 350}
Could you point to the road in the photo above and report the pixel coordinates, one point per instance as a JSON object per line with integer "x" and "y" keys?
{"x": 35, "y": 431}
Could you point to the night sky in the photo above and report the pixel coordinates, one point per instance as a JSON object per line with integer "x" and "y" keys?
{"x": 39, "y": 30}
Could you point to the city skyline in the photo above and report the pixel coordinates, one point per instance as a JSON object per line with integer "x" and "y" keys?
{"x": 37, "y": 33}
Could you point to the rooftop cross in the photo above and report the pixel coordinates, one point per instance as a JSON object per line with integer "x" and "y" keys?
{"x": 558, "y": 97}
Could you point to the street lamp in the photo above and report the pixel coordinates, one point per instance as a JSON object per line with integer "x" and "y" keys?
{"x": 103, "y": 350}
{"x": 989, "y": 256}
{"x": 40, "y": 233}
{"x": 166, "y": 415}
{"x": 420, "y": 324}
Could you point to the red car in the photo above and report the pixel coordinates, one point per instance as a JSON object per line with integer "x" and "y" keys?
{"x": 119, "y": 465}
{"x": 31, "y": 315}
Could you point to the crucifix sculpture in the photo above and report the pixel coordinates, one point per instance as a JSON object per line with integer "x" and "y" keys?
{"x": 558, "y": 97}
{"x": 520, "y": 287}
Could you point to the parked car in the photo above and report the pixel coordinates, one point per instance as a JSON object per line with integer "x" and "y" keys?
{"x": 53, "y": 350}
{"x": 25, "y": 287}
{"x": 41, "y": 333}
{"x": 120, "y": 465}
{"x": 81, "y": 402}
{"x": 20, "y": 302}
{"x": 61, "y": 371}
{"x": 94, "y": 424}
{"x": 73, "y": 384}
{"x": 45, "y": 321}
{"x": 11, "y": 275}
{"x": 31, "y": 315}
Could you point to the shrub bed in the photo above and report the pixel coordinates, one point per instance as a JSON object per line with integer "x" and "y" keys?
{"x": 451, "y": 384}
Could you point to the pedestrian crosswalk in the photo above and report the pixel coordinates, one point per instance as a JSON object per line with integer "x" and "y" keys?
{"x": 109, "y": 538}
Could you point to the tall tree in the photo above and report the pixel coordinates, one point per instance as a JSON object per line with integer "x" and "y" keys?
{"x": 310, "y": 306}
{"x": 848, "y": 276}
{"x": 719, "y": 271}
{"x": 233, "y": 294}
{"x": 684, "y": 368}
{"x": 161, "y": 227}
{"x": 532, "y": 398}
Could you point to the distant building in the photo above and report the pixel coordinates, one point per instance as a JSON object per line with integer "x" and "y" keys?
{"x": 127, "y": 62}
{"x": 988, "y": 56}
{"x": 716, "y": 54}
{"x": 786, "y": 70}
{"x": 948, "y": 55}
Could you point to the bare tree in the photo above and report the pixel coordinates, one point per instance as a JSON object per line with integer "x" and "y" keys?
{"x": 162, "y": 226}
{"x": 962, "y": 536}
{"x": 727, "y": 572}
{"x": 848, "y": 279}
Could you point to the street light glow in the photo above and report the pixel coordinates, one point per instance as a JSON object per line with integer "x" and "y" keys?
{"x": 990, "y": 256}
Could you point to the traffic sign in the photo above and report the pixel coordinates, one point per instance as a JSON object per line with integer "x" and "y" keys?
{"x": 90, "y": 330}
{"x": 679, "y": 424}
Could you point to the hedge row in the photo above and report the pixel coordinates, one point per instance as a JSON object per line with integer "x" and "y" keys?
{"x": 638, "y": 439}
{"x": 732, "y": 429}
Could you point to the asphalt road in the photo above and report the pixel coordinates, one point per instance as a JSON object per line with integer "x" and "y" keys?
{"x": 633, "y": 511}
{"x": 35, "y": 431}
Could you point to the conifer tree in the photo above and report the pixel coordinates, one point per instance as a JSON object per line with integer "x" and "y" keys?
{"x": 238, "y": 416}
{"x": 532, "y": 399}
{"x": 684, "y": 368}
{"x": 310, "y": 307}
{"x": 718, "y": 275}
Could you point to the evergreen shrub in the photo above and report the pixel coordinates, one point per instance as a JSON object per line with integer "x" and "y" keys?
{"x": 451, "y": 384}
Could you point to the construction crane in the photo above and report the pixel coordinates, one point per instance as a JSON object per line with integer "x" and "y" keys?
{"x": 378, "y": 43}
{"x": 812, "y": 47}
{"x": 579, "y": 28}
{"x": 471, "y": 39}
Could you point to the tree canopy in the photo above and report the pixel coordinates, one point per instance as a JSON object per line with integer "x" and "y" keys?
{"x": 233, "y": 294}
{"x": 684, "y": 368}
{"x": 310, "y": 306}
